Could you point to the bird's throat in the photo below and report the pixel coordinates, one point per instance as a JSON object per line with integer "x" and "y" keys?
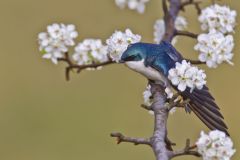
{"x": 148, "y": 72}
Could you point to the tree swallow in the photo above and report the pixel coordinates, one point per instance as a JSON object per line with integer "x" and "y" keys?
{"x": 154, "y": 61}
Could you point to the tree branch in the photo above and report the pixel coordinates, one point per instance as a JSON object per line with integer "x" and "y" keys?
{"x": 79, "y": 68}
{"x": 197, "y": 62}
{"x": 188, "y": 150}
{"x": 184, "y": 153}
{"x": 185, "y": 33}
{"x": 177, "y": 103}
{"x": 158, "y": 140}
{"x": 165, "y": 8}
{"x": 191, "y": 2}
{"x": 148, "y": 108}
{"x": 136, "y": 141}
{"x": 169, "y": 19}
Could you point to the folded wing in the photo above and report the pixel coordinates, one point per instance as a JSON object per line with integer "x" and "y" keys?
{"x": 203, "y": 105}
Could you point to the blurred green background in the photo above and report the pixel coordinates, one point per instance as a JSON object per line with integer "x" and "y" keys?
{"x": 43, "y": 117}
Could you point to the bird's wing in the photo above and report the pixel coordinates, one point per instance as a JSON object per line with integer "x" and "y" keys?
{"x": 201, "y": 102}
{"x": 203, "y": 105}
{"x": 163, "y": 57}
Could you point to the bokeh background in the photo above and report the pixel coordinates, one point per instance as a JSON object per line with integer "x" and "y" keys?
{"x": 43, "y": 117}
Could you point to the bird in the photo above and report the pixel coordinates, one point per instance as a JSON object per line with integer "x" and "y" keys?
{"x": 153, "y": 61}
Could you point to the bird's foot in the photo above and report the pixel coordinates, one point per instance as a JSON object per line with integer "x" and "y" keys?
{"x": 178, "y": 101}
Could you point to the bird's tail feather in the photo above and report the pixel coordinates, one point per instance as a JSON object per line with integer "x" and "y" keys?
{"x": 203, "y": 105}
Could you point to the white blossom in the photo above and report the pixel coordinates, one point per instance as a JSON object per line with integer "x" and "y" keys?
{"x": 159, "y": 28}
{"x": 138, "y": 5}
{"x": 214, "y": 48}
{"x": 215, "y": 146}
{"x": 56, "y": 40}
{"x": 185, "y": 75}
{"x": 147, "y": 96}
{"x": 90, "y": 51}
{"x": 219, "y": 18}
{"x": 169, "y": 92}
{"x": 181, "y": 23}
{"x": 119, "y": 42}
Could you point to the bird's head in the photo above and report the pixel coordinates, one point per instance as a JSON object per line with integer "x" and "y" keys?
{"x": 134, "y": 52}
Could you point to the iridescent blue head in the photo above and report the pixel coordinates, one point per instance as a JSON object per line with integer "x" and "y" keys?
{"x": 134, "y": 52}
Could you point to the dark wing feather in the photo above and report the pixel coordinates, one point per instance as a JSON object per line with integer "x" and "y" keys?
{"x": 203, "y": 105}
{"x": 201, "y": 102}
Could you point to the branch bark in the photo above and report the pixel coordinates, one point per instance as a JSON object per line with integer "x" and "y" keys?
{"x": 188, "y": 150}
{"x": 197, "y": 62}
{"x": 170, "y": 17}
{"x": 186, "y": 33}
{"x": 160, "y": 110}
{"x": 136, "y": 141}
{"x": 79, "y": 68}
{"x": 159, "y": 137}
{"x": 191, "y": 2}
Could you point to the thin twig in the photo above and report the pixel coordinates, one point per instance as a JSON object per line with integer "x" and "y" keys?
{"x": 149, "y": 108}
{"x": 183, "y": 153}
{"x": 165, "y": 8}
{"x": 136, "y": 141}
{"x": 191, "y": 2}
{"x": 197, "y": 62}
{"x": 186, "y": 33}
{"x": 66, "y": 59}
{"x": 178, "y": 104}
{"x": 188, "y": 150}
{"x": 82, "y": 67}
{"x": 79, "y": 68}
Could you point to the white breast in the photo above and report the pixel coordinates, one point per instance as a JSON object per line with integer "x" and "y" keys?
{"x": 148, "y": 72}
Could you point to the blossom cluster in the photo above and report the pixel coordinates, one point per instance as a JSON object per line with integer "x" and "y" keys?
{"x": 55, "y": 42}
{"x": 138, "y": 5}
{"x": 215, "y": 146}
{"x": 59, "y": 37}
{"x": 215, "y": 47}
{"x": 219, "y": 18}
{"x": 185, "y": 75}
{"x": 90, "y": 51}
{"x": 159, "y": 28}
{"x": 119, "y": 42}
